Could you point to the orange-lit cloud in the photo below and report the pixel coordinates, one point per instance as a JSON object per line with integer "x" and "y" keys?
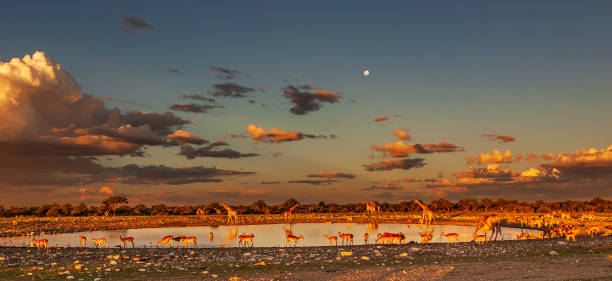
{"x": 185, "y": 137}
{"x": 402, "y": 134}
{"x": 532, "y": 157}
{"x": 380, "y": 118}
{"x": 583, "y": 162}
{"x": 332, "y": 175}
{"x": 494, "y": 157}
{"x": 399, "y": 149}
{"x": 260, "y": 134}
{"x": 387, "y": 165}
{"x": 499, "y": 138}
{"x": 493, "y": 175}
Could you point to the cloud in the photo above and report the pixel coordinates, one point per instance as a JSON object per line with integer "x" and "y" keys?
{"x": 399, "y": 149}
{"x": 384, "y": 186}
{"x": 495, "y": 157}
{"x": 304, "y": 102}
{"x": 275, "y": 135}
{"x": 175, "y": 70}
{"x": 225, "y": 73}
{"x": 161, "y": 174}
{"x": 402, "y": 134}
{"x": 331, "y": 175}
{"x": 194, "y": 108}
{"x": 313, "y": 182}
{"x": 181, "y": 136}
{"x": 260, "y": 88}
{"x": 493, "y": 175}
{"x": 133, "y": 23}
{"x": 532, "y": 157}
{"x": 269, "y": 182}
{"x": 277, "y": 154}
{"x": 231, "y": 90}
{"x": 107, "y": 190}
{"x": 499, "y": 138}
{"x": 380, "y": 118}
{"x": 208, "y": 151}
{"x": 162, "y": 123}
{"x": 387, "y": 165}
{"x": 591, "y": 163}
{"x": 199, "y": 98}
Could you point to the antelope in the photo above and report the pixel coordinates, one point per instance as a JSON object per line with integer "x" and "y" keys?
{"x": 83, "y": 240}
{"x": 480, "y": 239}
{"x": 332, "y": 238}
{"x": 99, "y": 242}
{"x": 176, "y": 239}
{"x": 571, "y": 233}
{"x": 210, "y": 236}
{"x": 125, "y": 240}
{"x": 593, "y": 229}
{"x": 245, "y": 239}
{"x": 346, "y": 236}
{"x": 450, "y": 236}
{"x": 186, "y": 241}
{"x": 42, "y": 242}
{"x": 365, "y": 238}
{"x": 295, "y": 239}
{"x": 165, "y": 241}
{"x": 426, "y": 237}
{"x": 400, "y": 238}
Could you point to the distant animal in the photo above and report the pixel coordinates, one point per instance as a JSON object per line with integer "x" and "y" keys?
{"x": 348, "y": 237}
{"x": 480, "y": 239}
{"x": 83, "y": 241}
{"x": 365, "y": 238}
{"x": 99, "y": 242}
{"x": 165, "y": 241}
{"x": 210, "y": 236}
{"x": 295, "y": 239}
{"x": 245, "y": 239}
{"x": 186, "y": 241}
{"x": 126, "y": 240}
{"x": 42, "y": 243}
{"x": 450, "y": 236}
{"x": 332, "y": 239}
{"x": 176, "y": 239}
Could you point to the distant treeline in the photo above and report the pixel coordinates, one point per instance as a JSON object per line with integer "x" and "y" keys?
{"x": 116, "y": 205}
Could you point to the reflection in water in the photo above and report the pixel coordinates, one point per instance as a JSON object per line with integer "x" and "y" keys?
{"x": 266, "y": 235}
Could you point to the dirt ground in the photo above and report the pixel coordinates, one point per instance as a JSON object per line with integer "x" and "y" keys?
{"x": 550, "y": 259}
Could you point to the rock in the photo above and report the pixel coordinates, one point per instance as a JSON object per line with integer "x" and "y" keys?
{"x": 346, "y": 253}
{"x": 260, "y": 264}
{"x": 113, "y": 262}
{"x": 553, "y": 253}
{"x": 98, "y": 279}
{"x": 215, "y": 276}
{"x": 561, "y": 242}
{"x": 414, "y": 249}
{"x": 403, "y": 254}
{"x": 246, "y": 254}
{"x": 70, "y": 277}
{"x": 142, "y": 270}
{"x": 365, "y": 258}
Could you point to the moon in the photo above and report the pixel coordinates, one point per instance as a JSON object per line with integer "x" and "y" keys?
{"x": 366, "y": 73}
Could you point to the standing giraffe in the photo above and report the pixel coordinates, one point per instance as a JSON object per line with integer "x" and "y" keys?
{"x": 427, "y": 213}
{"x": 232, "y": 215}
{"x": 371, "y": 207}
{"x": 287, "y": 213}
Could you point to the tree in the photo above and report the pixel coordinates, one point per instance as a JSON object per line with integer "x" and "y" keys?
{"x": 113, "y": 201}
{"x": 79, "y": 210}
{"x": 260, "y": 207}
{"x": 289, "y": 203}
{"x": 486, "y": 203}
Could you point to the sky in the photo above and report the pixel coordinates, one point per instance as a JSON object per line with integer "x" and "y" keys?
{"x": 192, "y": 102}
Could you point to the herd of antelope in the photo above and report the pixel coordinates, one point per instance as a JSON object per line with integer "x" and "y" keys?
{"x": 552, "y": 225}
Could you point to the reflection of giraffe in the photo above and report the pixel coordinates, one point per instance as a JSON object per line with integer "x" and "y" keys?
{"x": 427, "y": 213}
{"x": 287, "y": 213}
{"x": 287, "y": 230}
{"x": 232, "y": 215}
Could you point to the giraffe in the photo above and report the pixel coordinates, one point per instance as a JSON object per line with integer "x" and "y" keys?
{"x": 218, "y": 211}
{"x": 372, "y": 208}
{"x": 287, "y": 213}
{"x": 232, "y": 215}
{"x": 427, "y": 213}
{"x": 489, "y": 223}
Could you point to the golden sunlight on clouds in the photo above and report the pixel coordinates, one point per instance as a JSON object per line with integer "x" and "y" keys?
{"x": 495, "y": 157}
{"x": 260, "y": 134}
{"x": 402, "y": 134}
{"x": 380, "y": 118}
{"x": 399, "y": 149}
{"x": 187, "y": 137}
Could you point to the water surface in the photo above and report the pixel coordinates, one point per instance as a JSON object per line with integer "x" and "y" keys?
{"x": 266, "y": 235}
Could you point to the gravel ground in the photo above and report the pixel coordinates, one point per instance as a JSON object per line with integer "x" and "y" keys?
{"x": 503, "y": 260}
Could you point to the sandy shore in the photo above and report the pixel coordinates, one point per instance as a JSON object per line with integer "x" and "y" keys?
{"x": 503, "y": 260}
